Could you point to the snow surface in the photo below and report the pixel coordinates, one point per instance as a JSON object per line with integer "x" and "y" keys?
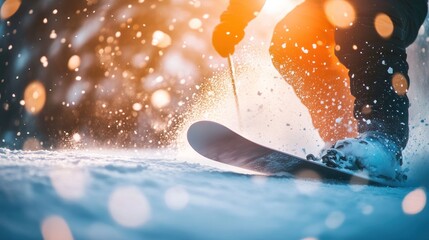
{"x": 148, "y": 194}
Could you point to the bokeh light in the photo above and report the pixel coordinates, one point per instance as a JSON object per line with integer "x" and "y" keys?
{"x": 76, "y": 137}
{"x": 44, "y": 61}
{"x": 340, "y": 13}
{"x": 70, "y": 183}
{"x": 383, "y": 25}
{"x": 161, "y": 39}
{"x": 34, "y": 97}
{"x": 74, "y": 62}
{"x": 32, "y": 144}
{"x": 259, "y": 180}
{"x": 367, "y": 109}
{"x": 137, "y": 107}
{"x": 195, "y": 23}
{"x": 366, "y": 209}
{"x": 160, "y": 98}
{"x": 307, "y": 187}
{"x": 357, "y": 184}
{"x": 335, "y": 220}
{"x": 176, "y": 198}
{"x": 400, "y": 84}
{"x": 414, "y": 202}
{"x": 9, "y": 8}
{"x": 54, "y": 228}
{"x": 129, "y": 207}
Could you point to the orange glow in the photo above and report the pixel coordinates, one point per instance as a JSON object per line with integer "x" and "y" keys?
{"x": 414, "y": 202}
{"x": 400, "y": 84}
{"x": 161, "y": 39}
{"x": 312, "y": 69}
{"x": 340, "y": 13}
{"x": 35, "y": 97}
{"x": 9, "y": 8}
{"x": 74, "y": 62}
{"x": 160, "y": 98}
{"x": 383, "y": 25}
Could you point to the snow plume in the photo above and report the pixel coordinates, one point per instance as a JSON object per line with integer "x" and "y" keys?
{"x": 271, "y": 114}
{"x": 416, "y": 154}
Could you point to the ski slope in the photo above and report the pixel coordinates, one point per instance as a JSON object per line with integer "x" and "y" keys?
{"x": 148, "y": 194}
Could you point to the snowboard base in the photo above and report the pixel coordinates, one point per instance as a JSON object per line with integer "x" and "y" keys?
{"x": 219, "y": 143}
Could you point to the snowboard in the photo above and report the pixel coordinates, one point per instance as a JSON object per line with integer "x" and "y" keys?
{"x": 219, "y": 143}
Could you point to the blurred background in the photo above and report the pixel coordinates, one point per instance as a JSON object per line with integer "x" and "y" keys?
{"x": 123, "y": 73}
{"x": 119, "y": 73}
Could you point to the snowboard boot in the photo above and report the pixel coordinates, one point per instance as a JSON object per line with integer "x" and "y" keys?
{"x": 372, "y": 152}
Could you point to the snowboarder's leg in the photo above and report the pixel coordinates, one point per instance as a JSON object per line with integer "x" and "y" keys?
{"x": 302, "y": 50}
{"x": 373, "y": 49}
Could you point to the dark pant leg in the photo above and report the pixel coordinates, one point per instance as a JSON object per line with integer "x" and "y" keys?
{"x": 377, "y": 64}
